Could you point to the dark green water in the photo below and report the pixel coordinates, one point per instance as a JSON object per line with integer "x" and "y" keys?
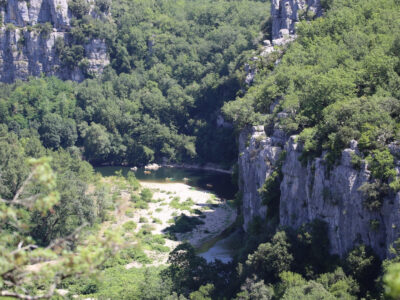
{"x": 219, "y": 183}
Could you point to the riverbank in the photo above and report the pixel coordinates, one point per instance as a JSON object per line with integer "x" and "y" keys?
{"x": 166, "y": 216}
{"x": 206, "y": 167}
{"x": 216, "y": 214}
{"x": 153, "y": 166}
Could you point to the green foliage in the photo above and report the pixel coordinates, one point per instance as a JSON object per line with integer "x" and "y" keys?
{"x": 40, "y": 199}
{"x": 133, "y": 182}
{"x": 356, "y": 161}
{"x": 146, "y": 195}
{"x": 203, "y": 293}
{"x": 272, "y": 258}
{"x": 185, "y": 205}
{"x": 143, "y": 220}
{"x": 363, "y": 265}
{"x": 173, "y": 65}
{"x": 79, "y": 8}
{"x": 129, "y": 226}
{"x": 381, "y": 165}
{"x": 186, "y": 270}
{"x": 253, "y": 289}
{"x": 97, "y": 142}
{"x": 310, "y": 244}
{"x": 335, "y": 285}
{"x": 392, "y": 281}
{"x": 132, "y": 284}
{"x": 337, "y": 82}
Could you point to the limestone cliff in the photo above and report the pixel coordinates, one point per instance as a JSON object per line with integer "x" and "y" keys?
{"x": 257, "y": 157}
{"x": 28, "y": 35}
{"x": 286, "y": 13}
{"x": 314, "y": 191}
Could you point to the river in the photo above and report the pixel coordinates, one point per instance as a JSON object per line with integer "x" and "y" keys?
{"x": 219, "y": 183}
{"x": 221, "y": 247}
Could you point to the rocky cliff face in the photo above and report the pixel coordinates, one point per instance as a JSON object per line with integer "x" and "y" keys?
{"x": 312, "y": 191}
{"x": 286, "y": 13}
{"x": 28, "y": 34}
{"x": 257, "y": 157}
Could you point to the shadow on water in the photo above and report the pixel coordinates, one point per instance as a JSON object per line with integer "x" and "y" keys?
{"x": 222, "y": 247}
{"x": 219, "y": 183}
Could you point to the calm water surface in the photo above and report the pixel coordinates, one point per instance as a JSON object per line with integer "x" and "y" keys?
{"x": 219, "y": 183}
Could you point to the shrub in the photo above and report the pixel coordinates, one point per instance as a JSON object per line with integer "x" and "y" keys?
{"x": 79, "y": 8}
{"x": 141, "y": 204}
{"x": 146, "y": 195}
{"x": 143, "y": 220}
{"x": 129, "y": 226}
{"x": 135, "y": 197}
{"x": 157, "y": 221}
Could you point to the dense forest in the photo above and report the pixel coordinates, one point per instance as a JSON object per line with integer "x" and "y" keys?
{"x": 173, "y": 65}
{"x": 176, "y": 66}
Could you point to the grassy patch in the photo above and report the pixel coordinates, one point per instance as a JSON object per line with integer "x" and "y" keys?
{"x": 185, "y": 205}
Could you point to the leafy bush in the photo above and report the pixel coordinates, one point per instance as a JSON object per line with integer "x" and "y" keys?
{"x": 143, "y": 220}
{"x": 129, "y": 226}
{"x": 146, "y": 195}
{"x": 79, "y": 8}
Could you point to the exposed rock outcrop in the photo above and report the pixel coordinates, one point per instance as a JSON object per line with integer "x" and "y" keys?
{"x": 257, "y": 157}
{"x": 28, "y": 34}
{"x": 285, "y": 14}
{"x": 314, "y": 191}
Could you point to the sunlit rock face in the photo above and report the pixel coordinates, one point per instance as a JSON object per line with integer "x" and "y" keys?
{"x": 286, "y": 13}
{"x": 316, "y": 190}
{"x": 26, "y": 49}
{"x": 332, "y": 194}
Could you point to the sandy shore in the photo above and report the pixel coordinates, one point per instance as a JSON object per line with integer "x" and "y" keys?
{"x": 217, "y": 215}
{"x": 216, "y": 219}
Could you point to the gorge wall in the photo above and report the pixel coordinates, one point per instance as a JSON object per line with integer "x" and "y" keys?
{"x": 28, "y": 36}
{"x": 314, "y": 190}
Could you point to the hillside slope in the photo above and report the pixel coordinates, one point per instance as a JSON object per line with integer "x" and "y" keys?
{"x": 328, "y": 148}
